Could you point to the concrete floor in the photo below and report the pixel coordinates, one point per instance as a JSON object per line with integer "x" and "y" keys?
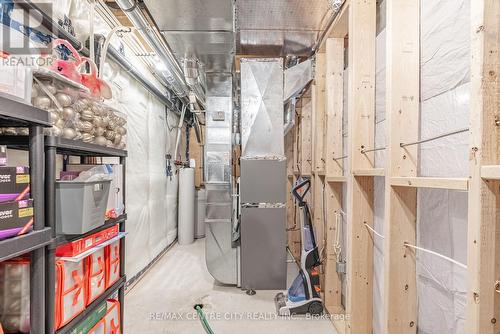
{"x": 162, "y": 302}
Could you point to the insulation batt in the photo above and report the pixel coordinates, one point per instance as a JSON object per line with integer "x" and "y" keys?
{"x": 442, "y": 214}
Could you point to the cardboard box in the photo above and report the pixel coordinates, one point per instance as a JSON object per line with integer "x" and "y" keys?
{"x": 14, "y": 183}
{"x": 16, "y": 218}
{"x": 3, "y": 155}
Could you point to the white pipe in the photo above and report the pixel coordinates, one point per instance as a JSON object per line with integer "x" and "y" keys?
{"x": 92, "y": 38}
{"x": 173, "y": 74}
{"x": 179, "y": 132}
{"x": 104, "y": 50}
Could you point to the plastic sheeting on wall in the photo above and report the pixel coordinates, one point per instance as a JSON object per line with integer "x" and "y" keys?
{"x": 445, "y": 45}
{"x": 442, "y": 214}
{"x": 378, "y": 255}
{"x": 442, "y": 226}
{"x": 379, "y": 182}
{"x": 151, "y": 195}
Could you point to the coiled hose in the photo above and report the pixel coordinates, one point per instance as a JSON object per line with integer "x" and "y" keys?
{"x": 203, "y": 320}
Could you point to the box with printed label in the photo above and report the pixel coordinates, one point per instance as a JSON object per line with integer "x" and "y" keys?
{"x": 14, "y": 183}
{"x": 16, "y": 218}
{"x": 84, "y": 244}
{"x": 3, "y": 155}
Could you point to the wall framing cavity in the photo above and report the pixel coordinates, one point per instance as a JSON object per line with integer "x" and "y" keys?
{"x": 333, "y": 143}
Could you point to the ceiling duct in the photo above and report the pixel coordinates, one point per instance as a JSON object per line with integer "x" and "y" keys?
{"x": 171, "y": 72}
{"x": 297, "y": 78}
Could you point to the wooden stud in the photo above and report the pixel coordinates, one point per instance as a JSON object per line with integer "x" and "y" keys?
{"x": 296, "y": 139}
{"x": 483, "y": 246}
{"x": 333, "y": 283}
{"x": 361, "y": 113}
{"x": 306, "y": 137}
{"x": 318, "y": 100}
{"x": 334, "y": 106}
{"x": 402, "y": 118}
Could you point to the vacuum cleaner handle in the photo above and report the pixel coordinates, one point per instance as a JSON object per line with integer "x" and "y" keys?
{"x": 298, "y": 186}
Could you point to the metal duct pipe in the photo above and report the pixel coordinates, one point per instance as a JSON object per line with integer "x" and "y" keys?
{"x": 335, "y": 5}
{"x": 117, "y": 57}
{"x": 173, "y": 73}
{"x": 194, "y": 75}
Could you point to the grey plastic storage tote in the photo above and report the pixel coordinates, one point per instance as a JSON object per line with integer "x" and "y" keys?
{"x": 80, "y": 206}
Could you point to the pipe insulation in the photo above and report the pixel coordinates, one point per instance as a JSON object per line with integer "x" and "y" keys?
{"x": 186, "y": 206}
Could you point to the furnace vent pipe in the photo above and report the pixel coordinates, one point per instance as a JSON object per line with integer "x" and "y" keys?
{"x": 172, "y": 72}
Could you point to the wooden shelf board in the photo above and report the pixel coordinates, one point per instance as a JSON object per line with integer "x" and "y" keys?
{"x": 491, "y": 172}
{"x": 431, "y": 182}
{"x": 369, "y": 172}
{"x": 333, "y": 179}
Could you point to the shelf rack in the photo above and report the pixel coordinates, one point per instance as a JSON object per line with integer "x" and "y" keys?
{"x": 54, "y": 146}
{"x": 18, "y": 114}
{"x": 93, "y": 306}
{"x": 43, "y": 241}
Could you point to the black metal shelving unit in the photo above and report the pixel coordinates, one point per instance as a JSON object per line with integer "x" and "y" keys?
{"x": 43, "y": 240}
{"x": 92, "y": 307}
{"x": 54, "y": 146}
{"x": 17, "y": 114}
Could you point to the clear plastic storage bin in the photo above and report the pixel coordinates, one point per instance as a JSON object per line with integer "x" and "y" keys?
{"x": 81, "y": 206}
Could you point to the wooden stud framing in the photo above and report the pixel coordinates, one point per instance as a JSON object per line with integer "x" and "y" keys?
{"x": 311, "y": 143}
{"x": 483, "y": 261}
{"x": 490, "y": 172}
{"x": 334, "y": 106}
{"x": 361, "y": 113}
{"x": 318, "y": 100}
{"x": 431, "y": 182}
{"x": 402, "y": 118}
{"x": 306, "y": 158}
{"x": 334, "y": 172}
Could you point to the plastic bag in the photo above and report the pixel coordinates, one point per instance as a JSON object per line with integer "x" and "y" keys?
{"x": 97, "y": 173}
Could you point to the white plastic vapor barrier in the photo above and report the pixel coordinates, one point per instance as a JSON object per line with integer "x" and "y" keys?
{"x": 150, "y": 213}
{"x": 378, "y": 255}
{"x": 442, "y": 214}
{"x": 151, "y": 195}
{"x": 379, "y": 182}
{"x": 186, "y": 206}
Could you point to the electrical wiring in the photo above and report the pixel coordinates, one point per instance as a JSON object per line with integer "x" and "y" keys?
{"x": 436, "y": 254}
{"x": 374, "y": 232}
{"x": 337, "y": 247}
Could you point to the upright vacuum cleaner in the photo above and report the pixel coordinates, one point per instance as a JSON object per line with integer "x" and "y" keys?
{"x": 303, "y": 295}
